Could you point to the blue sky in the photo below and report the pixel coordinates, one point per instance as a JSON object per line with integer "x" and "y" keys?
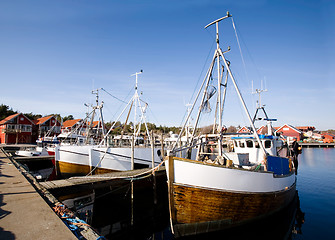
{"x": 54, "y": 53}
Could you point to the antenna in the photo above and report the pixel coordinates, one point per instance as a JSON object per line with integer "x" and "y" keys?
{"x": 135, "y": 74}
{"x": 218, "y": 20}
{"x": 258, "y": 91}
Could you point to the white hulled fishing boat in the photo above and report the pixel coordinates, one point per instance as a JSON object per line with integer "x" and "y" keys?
{"x": 107, "y": 156}
{"x": 226, "y": 179}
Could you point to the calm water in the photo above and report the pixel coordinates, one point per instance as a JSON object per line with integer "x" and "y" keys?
{"x": 315, "y": 218}
{"x": 316, "y": 186}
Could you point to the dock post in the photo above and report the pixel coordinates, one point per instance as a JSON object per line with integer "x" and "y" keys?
{"x": 162, "y": 144}
{"x": 153, "y": 166}
{"x": 132, "y": 182}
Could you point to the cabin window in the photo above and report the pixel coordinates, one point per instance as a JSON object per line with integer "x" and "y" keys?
{"x": 267, "y": 144}
{"x": 242, "y": 144}
{"x": 235, "y": 143}
{"x": 249, "y": 143}
{"x": 257, "y": 144}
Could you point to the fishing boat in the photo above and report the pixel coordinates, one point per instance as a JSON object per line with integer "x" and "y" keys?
{"x": 32, "y": 151}
{"x": 116, "y": 153}
{"x": 225, "y": 179}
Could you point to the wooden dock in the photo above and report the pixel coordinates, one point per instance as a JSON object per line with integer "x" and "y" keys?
{"x": 24, "y": 213}
{"x": 86, "y": 183}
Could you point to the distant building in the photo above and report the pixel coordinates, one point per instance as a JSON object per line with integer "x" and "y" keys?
{"x": 264, "y": 130}
{"x": 305, "y": 128}
{"x": 328, "y": 137}
{"x": 76, "y": 125}
{"x": 48, "y": 125}
{"x": 96, "y": 128}
{"x": 244, "y": 130}
{"x": 16, "y": 128}
{"x": 290, "y": 132}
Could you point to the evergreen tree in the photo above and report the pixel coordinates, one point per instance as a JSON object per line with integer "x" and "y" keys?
{"x": 5, "y": 111}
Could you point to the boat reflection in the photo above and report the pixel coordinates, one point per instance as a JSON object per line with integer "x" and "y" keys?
{"x": 286, "y": 224}
{"x": 113, "y": 219}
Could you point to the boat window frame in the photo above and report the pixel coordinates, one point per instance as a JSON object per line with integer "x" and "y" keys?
{"x": 257, "y": 144}
{"x": 266, "y": 143}
{"x": 247, "y": 142}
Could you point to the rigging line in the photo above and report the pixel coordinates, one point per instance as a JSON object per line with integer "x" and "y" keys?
{"x": 196, "y": 86}
{"x": 239, "y": 47}
{"x": 120, "y": 106}
{"x": 113, "y": 96}
{"x": 202, "y": 70}
{"x": 153, "y": 114}
{"x": 249, "y": 54}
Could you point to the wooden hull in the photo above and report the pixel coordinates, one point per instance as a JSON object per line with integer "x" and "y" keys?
{"x": 80, "y": 160}
{"x": 204, "y": 210}
{"x": 195, "y": 209}
{"x": 66, "y": 170}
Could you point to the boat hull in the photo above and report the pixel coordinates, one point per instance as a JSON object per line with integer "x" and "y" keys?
{"x": 81, "y": 160}
{"x": 199, "y": 209}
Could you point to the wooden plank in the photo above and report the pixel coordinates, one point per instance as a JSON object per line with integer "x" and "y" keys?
{"x": 33, "y": 158}
{"x": 82, "y": 180}
{"x": 194, "y": 205}
{"x": 171, "y": 190}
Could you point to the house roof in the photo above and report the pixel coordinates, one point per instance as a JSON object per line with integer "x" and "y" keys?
{"x": 4, "y": 121}
{"x": 9, "y": 118}
{"x": 246, "y": 128}
{"x": 260, "y": 129}
{"x": 289, "y": 126}
{"x": 305, "y": 128}
{"x": 328, "y": 134}
{"x": 70, "y": 123}
{"x": 42, "y": 120}
{"x": 94, "y": 124}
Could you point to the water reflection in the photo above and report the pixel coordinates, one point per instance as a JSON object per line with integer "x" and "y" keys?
{"x": 112, "y": 216}
{"x": 286, "y": 224}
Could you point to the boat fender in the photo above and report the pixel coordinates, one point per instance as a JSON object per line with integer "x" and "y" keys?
{"x": 290, "y": 164}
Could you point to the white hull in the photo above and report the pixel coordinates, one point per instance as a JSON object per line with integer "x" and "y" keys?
{"x": 220, "y": 178}
{"x": 32, "y": 152}
{"x": 116, "y": 159}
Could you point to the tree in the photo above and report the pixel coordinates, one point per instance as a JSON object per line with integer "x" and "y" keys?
{"x": 231, "y": 129}
{"x": 5, "y": 111}
{"x": 69, "y": 117}
{"x": 32, "y": 116}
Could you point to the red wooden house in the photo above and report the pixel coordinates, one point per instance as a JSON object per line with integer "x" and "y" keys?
{"x": 328, "y": 137}
{"x": 75, "y": 124}
{"x": 48, "y": 125}
{"x": 244, "y": 130}
{"x": 264, "y": 130}
{"x": 16, "y": 128}
{"x": 306, "y": 128}
{"x": 290, "y": 131}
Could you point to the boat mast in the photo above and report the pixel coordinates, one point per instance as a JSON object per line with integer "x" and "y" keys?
{"x": 243, "y": 103}
{"x": 217, "y": 54}
{"x": 97, "y": 106}
{"x": 261, "y": 107}
{"x": 135, "y": 99}
{"x": 220, "y": 53}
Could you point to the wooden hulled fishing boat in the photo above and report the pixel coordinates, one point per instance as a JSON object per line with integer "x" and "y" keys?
{"x": 226, "y": 179}
{"x": 120, "y": 153}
